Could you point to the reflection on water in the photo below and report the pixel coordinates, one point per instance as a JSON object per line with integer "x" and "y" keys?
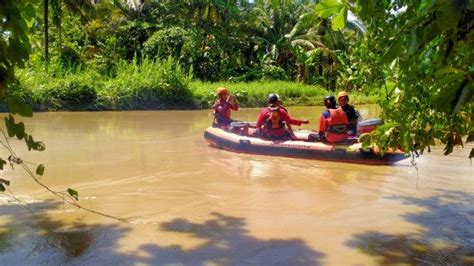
{"x": 193, "y": 204}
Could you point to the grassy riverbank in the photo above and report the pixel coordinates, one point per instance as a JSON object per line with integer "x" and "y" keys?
{"x": 150, "y": 84}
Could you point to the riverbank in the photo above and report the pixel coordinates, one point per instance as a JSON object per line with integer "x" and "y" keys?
{"x": 150, "y": 85}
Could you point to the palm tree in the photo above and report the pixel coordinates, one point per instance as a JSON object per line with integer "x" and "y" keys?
{"x": 77, "y": 7}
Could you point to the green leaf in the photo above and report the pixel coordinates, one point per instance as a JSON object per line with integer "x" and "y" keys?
{"x": 327, "y": 8}
{"x": 414, "y": 41}
{"x": 2, "y": 188}
{"x": 18, "y": 106}
{"x": 466, "y": 94}
{"x": 447, "y": 15}
{"x": 10, "y": 125}
{"x": 40, "y": 169}
{"x": 447, "y": 88}
{"x": 3, "y": 181}
{"x": 20, "y": 130}
{"x": 2, "y": 163}
{"x": 394, "y": 50}
{"x": 448, "y": 81}
{"x": 339, "y": 21}
{"x": 448, "y": 70}
{"x": 30, "y": 11}
{"x": 73, "y": 193}
{"x": 364, "y": 139}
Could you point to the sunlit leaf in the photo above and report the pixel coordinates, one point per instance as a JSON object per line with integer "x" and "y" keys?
{"x": 327, "y": 8}
{"x": 339, "y": 21}
{"x": 365, "y": 139}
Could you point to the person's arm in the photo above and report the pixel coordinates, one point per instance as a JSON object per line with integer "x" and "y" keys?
{"x": 214, "y": 106}
{"x": 232, "y": 103}
{"x": 292, "y": 121}
{"x": 322, "y": 125}
{"x": 285, "y": 117}
{"x": 261, "y": 119}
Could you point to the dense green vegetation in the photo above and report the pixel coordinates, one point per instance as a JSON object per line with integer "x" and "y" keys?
{"x": 150, "y": 84}
{"x": 139, "y": 54}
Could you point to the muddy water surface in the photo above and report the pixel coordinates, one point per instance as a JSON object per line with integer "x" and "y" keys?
{"x": 191, "y": 204}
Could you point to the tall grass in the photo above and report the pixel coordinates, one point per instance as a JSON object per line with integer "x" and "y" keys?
{"x": 139, "y": 84}
{"x": 253, "y": 94}
{"x": 149, "y": 84}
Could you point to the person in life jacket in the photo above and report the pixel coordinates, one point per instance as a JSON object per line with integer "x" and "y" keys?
{"x": 274, "y": 123}
{"x": 333, "y": 122}
{"x": 351, "y": 113}
{"x": 222, "y": 108}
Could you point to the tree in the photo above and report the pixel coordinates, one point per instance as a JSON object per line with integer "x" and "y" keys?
{"x": 80, "y": 8}
{"x": 425, "y": 47}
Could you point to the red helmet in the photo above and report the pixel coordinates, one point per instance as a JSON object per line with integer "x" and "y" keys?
{"x": 221, "y": 90}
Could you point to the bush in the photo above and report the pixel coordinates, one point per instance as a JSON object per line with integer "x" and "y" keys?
{"x": 75, "y": 92}
{"x": 265, "y": 72}
{"x": 168, "y": 42}
{"x": 69, "y": 57}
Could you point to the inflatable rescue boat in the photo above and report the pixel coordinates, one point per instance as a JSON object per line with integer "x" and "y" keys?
{"x": 351, "y": 152}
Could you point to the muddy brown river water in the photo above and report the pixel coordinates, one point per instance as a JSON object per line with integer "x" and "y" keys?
{"x": 190, "y": 204}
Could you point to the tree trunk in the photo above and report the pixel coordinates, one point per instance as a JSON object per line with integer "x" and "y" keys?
{"x": 46, "y": 37}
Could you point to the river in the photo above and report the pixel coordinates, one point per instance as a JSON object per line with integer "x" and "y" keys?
{"x": 190, "y": 204}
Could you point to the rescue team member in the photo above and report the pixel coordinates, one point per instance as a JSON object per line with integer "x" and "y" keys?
{"x": 222, "y": 107}
{"x": 274, "y": 122}
{"x": 351, "y": 113}
{"x": 333, "y": 122}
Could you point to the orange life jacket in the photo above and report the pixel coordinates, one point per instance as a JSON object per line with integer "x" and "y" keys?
{"x": 336, "y": 125}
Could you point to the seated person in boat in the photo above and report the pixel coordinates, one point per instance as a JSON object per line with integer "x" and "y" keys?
{"x": 333, "y": 122}
{"x": 222, "y": 107}
{"x": 275, "y": 99}
{"x": 274, "y": 122}
{"x": 351, "y": 113}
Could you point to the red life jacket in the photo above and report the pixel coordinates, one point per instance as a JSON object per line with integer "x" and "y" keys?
{"x": 221, "y": 115}
{"x": 268, "y": 125}
{"x": 222, "y": 109}
{"x": 336, "y": 125}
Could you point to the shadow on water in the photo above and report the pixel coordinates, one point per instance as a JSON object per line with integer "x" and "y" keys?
{"x": 446, "y": 236}
{"x": 36, "y": 238}
{"x": 40, "y": 240}
{"x": 227, "y": 242}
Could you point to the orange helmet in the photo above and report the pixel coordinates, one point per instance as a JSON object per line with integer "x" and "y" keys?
{"x": 221, "y": 90}
{"x": 342, "y": 94}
